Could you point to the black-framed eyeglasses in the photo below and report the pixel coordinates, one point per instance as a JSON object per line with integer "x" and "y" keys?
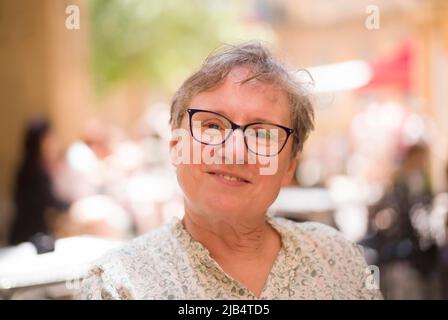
{"x": 261, "y": 138}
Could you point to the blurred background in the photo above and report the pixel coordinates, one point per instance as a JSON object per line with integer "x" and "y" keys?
{"x": 85, "y": 87}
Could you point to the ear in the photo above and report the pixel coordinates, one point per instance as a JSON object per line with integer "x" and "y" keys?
{"x": 173, "y": 151}
{"x": 290, "y": 171}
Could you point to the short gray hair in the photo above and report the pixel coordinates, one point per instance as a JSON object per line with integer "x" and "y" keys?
{"x": 263, "y": 67}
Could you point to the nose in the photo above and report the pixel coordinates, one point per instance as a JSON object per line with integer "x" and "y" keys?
{"x": 234, "y": 149}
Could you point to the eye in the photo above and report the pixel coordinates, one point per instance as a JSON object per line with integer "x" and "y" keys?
{"x": 213, "y": 126}
{"x": 265, "y": 134}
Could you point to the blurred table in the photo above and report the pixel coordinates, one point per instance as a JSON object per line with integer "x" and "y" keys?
{"x": 303, "y": 200}
{"x": 24, "y": 271}
{"x": 304, "y": 204}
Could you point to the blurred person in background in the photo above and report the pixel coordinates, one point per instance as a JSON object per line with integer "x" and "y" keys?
{"x": 86, "y": 172}
{"x": 400, "y": 219}
{"x": 97, "y": 167}
{"x": 34, "y": 197}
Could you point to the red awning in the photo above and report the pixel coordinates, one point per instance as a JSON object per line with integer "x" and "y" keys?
{"x": 393, "y": 70}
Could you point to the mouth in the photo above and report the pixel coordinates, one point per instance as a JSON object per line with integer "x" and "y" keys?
{"x": 230, "y": 177}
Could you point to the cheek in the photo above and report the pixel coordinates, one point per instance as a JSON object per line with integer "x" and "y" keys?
{"x": 270, "y": 185}
{"x": 264, "y": 193}
{"x": 187, "y": 178}
{"x": 276, "y": 180}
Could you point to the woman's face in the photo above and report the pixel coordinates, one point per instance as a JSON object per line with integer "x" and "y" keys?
{"x": 206, "y": 191}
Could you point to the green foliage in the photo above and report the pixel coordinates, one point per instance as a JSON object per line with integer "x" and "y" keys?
{"x": 157, "y": 41}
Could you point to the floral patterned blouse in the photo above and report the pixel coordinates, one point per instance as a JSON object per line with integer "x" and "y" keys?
{"x": 314, "y": 262}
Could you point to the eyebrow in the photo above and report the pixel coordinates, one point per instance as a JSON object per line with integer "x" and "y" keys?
{"x": 258, "y": 119}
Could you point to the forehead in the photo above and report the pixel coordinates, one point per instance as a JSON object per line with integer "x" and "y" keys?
{"x": 245, "y": 101}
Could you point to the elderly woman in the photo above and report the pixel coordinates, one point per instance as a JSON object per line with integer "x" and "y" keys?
{"x": 244, "y": 112}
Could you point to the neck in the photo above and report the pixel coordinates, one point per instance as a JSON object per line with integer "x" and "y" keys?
{"x": 245, "y": 239}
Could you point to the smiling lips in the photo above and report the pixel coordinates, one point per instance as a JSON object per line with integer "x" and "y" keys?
{"x": 230, "y": 177}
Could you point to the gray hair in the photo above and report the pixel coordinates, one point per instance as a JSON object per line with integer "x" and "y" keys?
{"x": 264, "y": 68}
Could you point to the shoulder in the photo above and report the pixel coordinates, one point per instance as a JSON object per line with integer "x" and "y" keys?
{"x": 318, "y": 237}
{"x": 312, "y": 231}
{"x": 149, "y": 245}
{"x": 328, "y": 250}
{"x": 118, "y": 274}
